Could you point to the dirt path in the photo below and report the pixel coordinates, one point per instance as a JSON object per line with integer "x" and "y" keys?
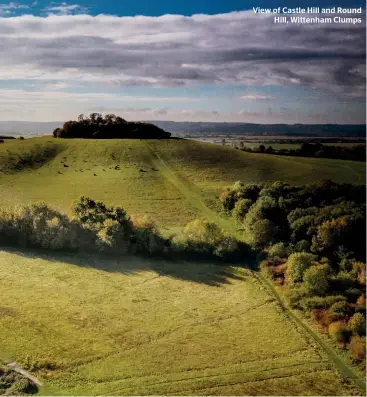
{"x": 191, "y": 193}
{"x": 344, "y": 368}
{"x": 196, "y": 200}
{"x": 15, "y": 367}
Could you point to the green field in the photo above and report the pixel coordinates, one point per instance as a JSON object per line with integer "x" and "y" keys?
{"x": 92, "y": 325}
{"x": 135, "y": 327}
{"x": 164, "y": 179}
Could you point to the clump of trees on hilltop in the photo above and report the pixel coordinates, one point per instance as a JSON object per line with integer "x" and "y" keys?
{"x": 109, "y": 127}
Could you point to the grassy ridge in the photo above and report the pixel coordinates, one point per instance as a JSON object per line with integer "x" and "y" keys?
{"x": 141, "y": 183}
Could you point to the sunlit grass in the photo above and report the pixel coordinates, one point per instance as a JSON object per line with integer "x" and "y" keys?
{"x": 134, "y": 326}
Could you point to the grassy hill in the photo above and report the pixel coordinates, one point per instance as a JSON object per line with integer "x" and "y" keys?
{"x": 173, "y": 181}
{"x": 88, "y": 325}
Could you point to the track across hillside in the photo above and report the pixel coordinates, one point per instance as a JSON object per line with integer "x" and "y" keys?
{"x": 195, "y": 199}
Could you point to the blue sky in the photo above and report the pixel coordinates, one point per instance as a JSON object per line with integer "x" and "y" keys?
{"x": 226, "y": 64}
{"x": 182, "y": 7}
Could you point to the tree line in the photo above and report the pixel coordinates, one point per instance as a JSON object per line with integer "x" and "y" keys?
{"x": 313, "y": 240}
{"x": 109, "y": 127}
{"x": 356, "y": 153}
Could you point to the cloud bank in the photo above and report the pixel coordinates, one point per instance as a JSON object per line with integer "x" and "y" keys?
{"x": 238, "y": 48}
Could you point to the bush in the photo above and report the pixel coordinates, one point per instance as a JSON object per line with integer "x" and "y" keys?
{"x": 227, "y": 199}
{"x": 279, "y": 250}
{"x": 295, "y": 296}
{"x": 296, "y": 265}
{"x": 204, "y": 237}
{"x": 357, "y": 347}
{"x": 261, "y": 233}
{"x": 315, "y": 279}
{"x": 323, "y": 317}
{"x": 241, "y": 208}
{"x": 39, "y": 226}
{"x": 319, "y": 302}
{"x": 265, "y": 268}
{"x": 338, "y": 332}
{"x": 357, "y": 324}
{"x": 302, "y": 246}
{"x": 147, "y": 238}
{"x": 340, "y": 310}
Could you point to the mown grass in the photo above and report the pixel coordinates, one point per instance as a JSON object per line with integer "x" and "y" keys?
{"x": 90, "y": 325}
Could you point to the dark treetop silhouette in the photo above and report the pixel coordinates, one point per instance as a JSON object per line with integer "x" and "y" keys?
{"x": 109, "y": 127}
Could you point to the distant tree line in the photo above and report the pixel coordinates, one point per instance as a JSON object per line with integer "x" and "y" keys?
{"x": 314, "y": 241}
{"x": 109, "y": 127}
{"x": 356, "y": 153}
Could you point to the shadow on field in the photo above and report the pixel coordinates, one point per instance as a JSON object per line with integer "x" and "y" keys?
{"x": 205, "y": 272}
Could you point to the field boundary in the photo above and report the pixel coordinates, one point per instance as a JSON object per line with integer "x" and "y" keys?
{"x": 343, "y": 367}
{"x": 333, "y": 356}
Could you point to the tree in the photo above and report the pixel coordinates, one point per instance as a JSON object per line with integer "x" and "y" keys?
{"x": 357, "y": 324}
{"x": 296, "y": 266}
{"x": 262, "y": 149}
{"x": 261, "y": 233}
{"x": 315, "y": 279}
{"x": 241, "y": 208}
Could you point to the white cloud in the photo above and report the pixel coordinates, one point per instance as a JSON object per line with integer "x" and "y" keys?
{"x": 256, "y": 97}
{"x": 65, "y": 9}
{"x": 238, "y": 48}
{"x": 9, "y": 8}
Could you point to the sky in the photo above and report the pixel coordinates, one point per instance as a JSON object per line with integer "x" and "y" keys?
{"x": 180, "y": 60}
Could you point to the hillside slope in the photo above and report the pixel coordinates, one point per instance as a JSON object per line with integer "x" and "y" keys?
{"x": 138, "y": 174}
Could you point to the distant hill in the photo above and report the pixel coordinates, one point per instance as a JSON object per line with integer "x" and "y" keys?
{"x": 195, "y": 129}
{"x": 198, "y": 128}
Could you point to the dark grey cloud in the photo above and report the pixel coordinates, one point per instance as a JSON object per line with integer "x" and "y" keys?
{"x": 172, "y": 50}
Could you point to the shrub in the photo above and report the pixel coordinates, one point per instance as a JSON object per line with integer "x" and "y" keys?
{"x": 319, "y": 302}
{"x": 357, "y": 347}
{"x": 278, "y": 249}
{"x": 147, "y": 238}
{"x": 261, "y": 233}
{"x": 338, "y": 332}
{"x": 315, "y": 279}
{"x": 227, "y": 199}
{"x": 38, "y": 225}
{"x": 343, "y": 281}
{"x": 207, "y": 238}
{"x": 295, "y": 296}
{"x": 361, "y": 301}
{"x": 265, "y": 268}
{"x": 93, "y": 214}
{"x": 357, "y": 324}
{"x": 340, "y": 310}
{"x": 323, "y": 317}
{"x": 241, "y": 208}
{"x": 302, "y": 246}
{"x": 296, "y": 265}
